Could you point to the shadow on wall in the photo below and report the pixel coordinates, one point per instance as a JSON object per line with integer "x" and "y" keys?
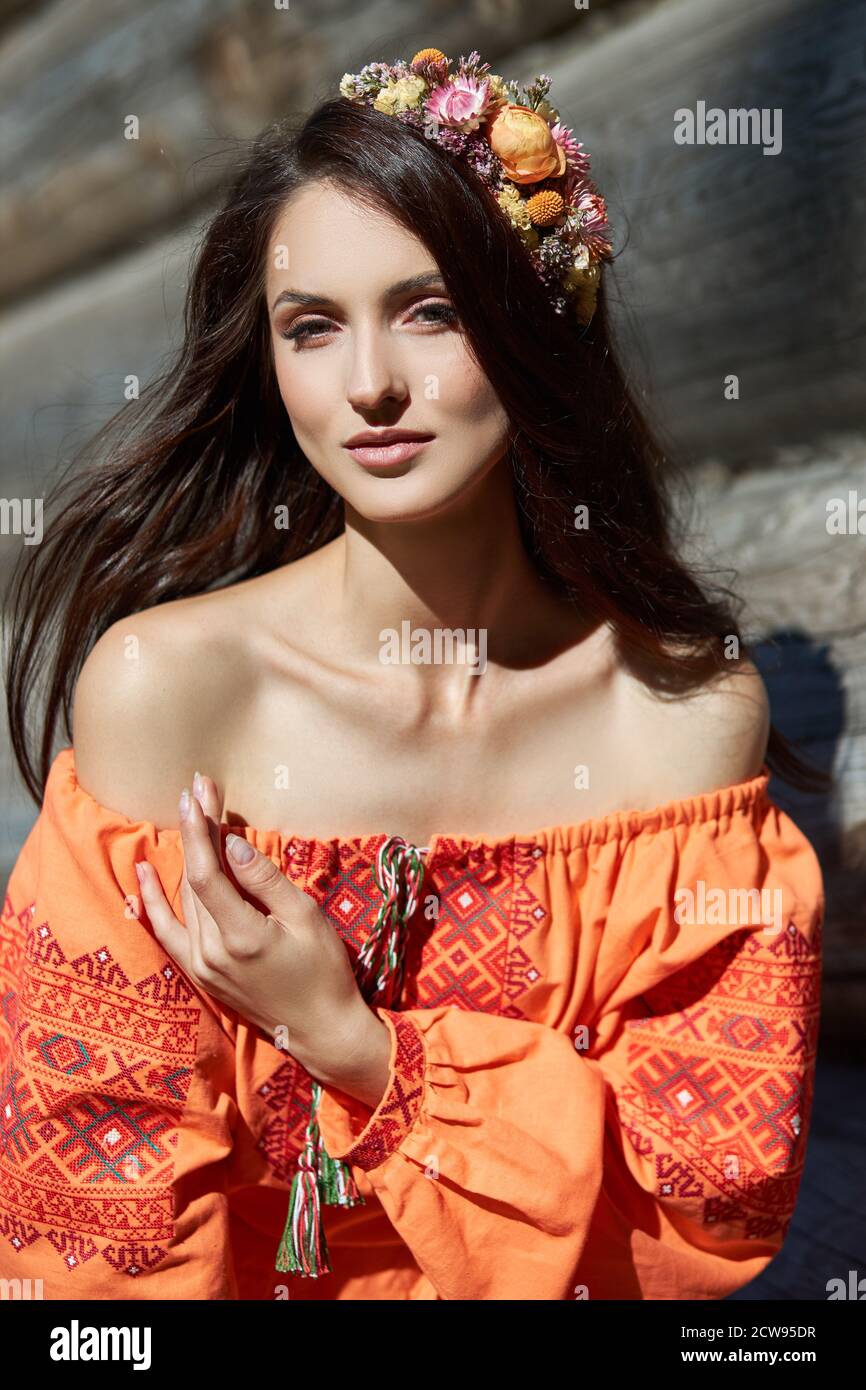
{"x": 808, "y": 704}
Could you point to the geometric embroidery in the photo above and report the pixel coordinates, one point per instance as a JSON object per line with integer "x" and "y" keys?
{"x": 96, "y": 1076}
{"x": 398, "y": 1108}
{"x": 471, "y": 955}
{"x": 288, "y": 1094}
{"x": 715, "y": 1098}
{"x": 712, "y": 1100}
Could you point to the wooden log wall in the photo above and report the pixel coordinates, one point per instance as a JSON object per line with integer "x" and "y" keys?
{"x": 732, "y": 262}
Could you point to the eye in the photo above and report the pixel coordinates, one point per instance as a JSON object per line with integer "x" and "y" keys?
{"x": 437, "y": 312}
{"x": 306, "y": 328}
{"x": 306, "y": 331}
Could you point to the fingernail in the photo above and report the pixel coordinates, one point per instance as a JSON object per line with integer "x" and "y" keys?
{"x": 184, "y": 803}
{"x": 138, "y": 869}
{"x": 240, "y": 850}
{"x": 197, "y": 787}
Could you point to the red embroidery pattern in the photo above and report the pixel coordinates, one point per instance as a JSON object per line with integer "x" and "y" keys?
{"x": 396, "y": 1111}
{"x": 97, "y": 1074}
{"x": 469, "y": 955}
{"x": 288, "y": 1093}
{"x": 721, "y": 1079}
{"x": 486, "y": 908}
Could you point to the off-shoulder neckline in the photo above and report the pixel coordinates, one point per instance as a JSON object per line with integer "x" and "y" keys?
{"x": 699, "y": 809}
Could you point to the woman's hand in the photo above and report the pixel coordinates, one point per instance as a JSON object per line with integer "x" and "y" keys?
{"x": 288, "y": 971}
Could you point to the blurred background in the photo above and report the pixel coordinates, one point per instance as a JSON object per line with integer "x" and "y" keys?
{"x": 734, "y": 263}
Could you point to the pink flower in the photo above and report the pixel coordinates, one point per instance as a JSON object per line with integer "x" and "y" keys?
{"x": 594, "y": 227}
{"x": 460, "y": 103}
{"x": 574, "y": 151}
{"x": 577, "y": 166}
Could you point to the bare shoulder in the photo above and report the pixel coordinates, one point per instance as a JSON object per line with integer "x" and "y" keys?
{"x": 175, "y": 687}
{"x": 714, "y": 737}
{"x": 152, "y": 700}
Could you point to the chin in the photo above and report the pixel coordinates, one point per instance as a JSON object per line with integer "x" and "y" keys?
{"x": 412, "y": 495}
{"x": 409, "y": 497}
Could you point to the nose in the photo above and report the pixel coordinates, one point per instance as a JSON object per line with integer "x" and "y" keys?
{"x": 375, "y": 373}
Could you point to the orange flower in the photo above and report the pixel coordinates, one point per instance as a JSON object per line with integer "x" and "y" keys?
{"x": 522, "y": 140}
{"x": 545, "y": 208}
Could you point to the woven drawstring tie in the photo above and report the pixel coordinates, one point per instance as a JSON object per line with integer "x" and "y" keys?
{"x": 379, "y": 971}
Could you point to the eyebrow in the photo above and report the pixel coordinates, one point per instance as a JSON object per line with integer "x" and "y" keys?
{"x": 414, "y": 282}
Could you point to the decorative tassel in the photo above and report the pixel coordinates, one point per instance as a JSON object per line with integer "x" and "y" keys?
{"x": 303, "y": 1248}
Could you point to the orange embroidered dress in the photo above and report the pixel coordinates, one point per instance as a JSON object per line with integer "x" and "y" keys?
{"x": 601, "y": 1079}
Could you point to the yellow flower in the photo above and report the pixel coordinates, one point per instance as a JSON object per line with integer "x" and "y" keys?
{"x": 406, "y": 92}
{"x": 511, "y": 202}
{"x": 515, "y": 209}
{"x": 549, "y": 112}
{"x": 347, "y": 85}
{"x": 498, "y": 88}
{"x": 522, "y": 140}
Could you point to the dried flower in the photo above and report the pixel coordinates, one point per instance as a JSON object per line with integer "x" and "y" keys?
{"x": 577, "y": 158}
{"x": 514, "y": 206}
{"x": 510, "y": 136}
{"x": 545, "y": 207}
{"x": 406, "y": 92}
{"x": 460, "y": 103}
{"x": 523, "y": 141}
{"x": 473, "y": 66}
{"x": 592, "y": 218}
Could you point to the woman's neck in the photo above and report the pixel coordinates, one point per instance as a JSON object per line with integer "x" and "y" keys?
{"x": 464, "y": 570}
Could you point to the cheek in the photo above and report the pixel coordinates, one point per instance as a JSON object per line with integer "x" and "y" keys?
{"x": 285, "y": 377}
{"x": 467, "y": 396}
{"x": 306, "y": 395}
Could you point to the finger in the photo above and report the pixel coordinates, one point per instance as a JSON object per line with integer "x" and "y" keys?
{"x": 261, "y": 877}
{"x": 211, "y": 889}
{"x": 204, "y": 789}
{"x": 191, "y": 911}
{"x": 168, "y": 931}
{"x": 207, "y": 950}
{"x": 201, "y": 859}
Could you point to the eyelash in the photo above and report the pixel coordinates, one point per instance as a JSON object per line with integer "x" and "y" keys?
{"x": 302, "y": 332}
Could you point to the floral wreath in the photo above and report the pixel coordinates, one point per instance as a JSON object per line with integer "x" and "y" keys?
{"x": 514, "y": 140}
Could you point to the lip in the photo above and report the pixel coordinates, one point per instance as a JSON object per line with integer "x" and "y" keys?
{"x": 380, "y": 451}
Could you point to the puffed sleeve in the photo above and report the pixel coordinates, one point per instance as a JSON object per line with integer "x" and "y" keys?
{"x": 117, "y": 1079}
{"x": 650, "y": 1144}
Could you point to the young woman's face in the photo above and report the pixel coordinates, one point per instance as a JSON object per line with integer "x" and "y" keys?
{"x": 363, "y": 352}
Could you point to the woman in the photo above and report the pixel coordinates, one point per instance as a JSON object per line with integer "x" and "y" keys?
{"x": 388, "y": 551}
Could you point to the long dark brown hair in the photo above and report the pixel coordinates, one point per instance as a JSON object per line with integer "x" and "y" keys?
{"x": 176, "y": 494}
